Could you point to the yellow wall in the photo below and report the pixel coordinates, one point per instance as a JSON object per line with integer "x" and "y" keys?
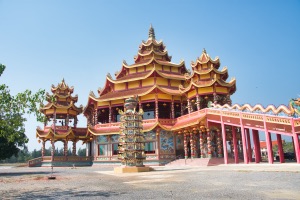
{"x": 175, "y": 83}
{"x": 149, "y": 67}
{"x": 205, "y": 90}
{"x": 177, "y": 98}
{"x": 148, "y": 57}
{"x": 133, "y": 84}
{"x": 104, "y": 103}
{"x": 61, "y": 99}
{"x": 141, "y": 69}
{"x": 120, "y": 86}
{"x": 205, "y": 76}
{"x": 164, "y": 96}
{"x": 148, "y": 97}
{"x": 162, "y": 81}
{"x": 61, "y": 110}
{"x": 174, "y": 69}
{"x": 192, "y": 93}
{"x": 204, "y": 66}
{"x": 158, "y": 67}
{"x": 119, "y": 101}
{"x": 49, "y": 111}
{"x": 167, "y": 68}
{"x": 72, "y": 112}
{"x": 195, "y": 78}
{"x": 132, "y": 70}
{"x": 221, "y": 89}
{"x": 148, "y": 82}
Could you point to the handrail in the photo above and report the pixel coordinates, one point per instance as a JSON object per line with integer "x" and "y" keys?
{"x": 35, "y": 161}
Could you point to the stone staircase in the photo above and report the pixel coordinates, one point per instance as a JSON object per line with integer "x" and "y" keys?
{"x": 199, "y": 162}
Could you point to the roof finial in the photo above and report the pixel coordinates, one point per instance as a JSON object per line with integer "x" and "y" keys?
{"x": 151, "y": 32}
{"x": 204, "y": 51}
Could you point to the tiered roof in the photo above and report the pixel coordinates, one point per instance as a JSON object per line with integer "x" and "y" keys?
{"x": 205, "y": 73}
{"x": 151, "y": 62}
{"x": 62, "y": 103}
{"x": 61, "y": 99}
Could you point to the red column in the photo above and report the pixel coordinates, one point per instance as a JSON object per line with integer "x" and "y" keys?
{"x": 189, "y": 106}
{"x": 156, "y": 108}
{"x": 172, "y": 110}
{"x": 244, "y": 145}
{"x": 109, "y": 114}
{"x": 224, "y": 144}
{"x": 201, "y": 143}
{"x": 256, "y": 145}
{"x": 269, "y": 147}
{"x": 280, "y": 149}
{"x": 43, "y": 148}
{"x": 236, "y": 153}
{"x": 243, "y": 141}
{"x": 296, "y": 147}
{"x": 185, "y": 146}
{"x": 192, "y": 144}
{"x": 249, "y": 150}
{"x": 219, "y": 144}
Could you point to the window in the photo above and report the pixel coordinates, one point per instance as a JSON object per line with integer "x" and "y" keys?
{"x": 102, "y": 149}
{"x": 115, "y": 149}
{"x": 150, "y": 147}
{"x": 148, "y": 115}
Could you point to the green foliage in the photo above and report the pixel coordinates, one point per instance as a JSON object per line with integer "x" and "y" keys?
{"x": 24, "y": 155}
{"x": 287, "y": 147}
{"x": 12, "y": 110}
{"x": 81, "y": 152}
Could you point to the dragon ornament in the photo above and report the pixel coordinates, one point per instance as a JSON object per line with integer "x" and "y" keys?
{"x": 294, "y": 106}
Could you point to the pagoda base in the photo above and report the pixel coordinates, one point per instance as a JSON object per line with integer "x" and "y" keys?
{"x": 120, "y": 170}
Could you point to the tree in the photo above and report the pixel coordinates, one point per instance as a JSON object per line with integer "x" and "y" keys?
{"x": 81, "y": 152}
{"x": 12, "y": 111}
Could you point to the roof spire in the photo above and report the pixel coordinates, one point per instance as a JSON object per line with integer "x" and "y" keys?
{"x": 204, "y": 51}
{"x": 151, "y": 32}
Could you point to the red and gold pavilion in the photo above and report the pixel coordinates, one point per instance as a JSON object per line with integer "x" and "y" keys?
{"x": 166, "y": 91}
{"x": 187, "y": 114}
{"x": 61, "y": 123}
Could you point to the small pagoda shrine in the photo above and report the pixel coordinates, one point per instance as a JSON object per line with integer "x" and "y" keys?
{"x": 131, "y": 140}
{"x": 61, "y": 120}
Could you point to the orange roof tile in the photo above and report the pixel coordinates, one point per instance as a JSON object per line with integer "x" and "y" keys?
{"x": 263, "y": 144}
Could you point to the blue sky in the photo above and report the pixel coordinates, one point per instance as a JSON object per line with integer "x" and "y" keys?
{"x": 42, "y": 42}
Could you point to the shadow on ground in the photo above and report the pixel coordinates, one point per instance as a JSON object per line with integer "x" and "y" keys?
{"x": 23, "y": 173}
{"x": 58, "y": 194}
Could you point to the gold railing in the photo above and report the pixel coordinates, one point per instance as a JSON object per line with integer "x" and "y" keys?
{"x": 72, "y": 158}
{"x": 278, "y": 120}
{"x": 35, "y": 161}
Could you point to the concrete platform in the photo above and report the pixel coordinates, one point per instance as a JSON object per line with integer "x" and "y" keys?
{"x": 119, "y": 170}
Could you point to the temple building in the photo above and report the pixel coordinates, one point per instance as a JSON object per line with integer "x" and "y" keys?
{"x": 186, "y": 113}
{"x": 166, "y": 91}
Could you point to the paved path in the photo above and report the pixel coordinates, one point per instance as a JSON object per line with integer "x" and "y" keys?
{"x": 262, "y": 181}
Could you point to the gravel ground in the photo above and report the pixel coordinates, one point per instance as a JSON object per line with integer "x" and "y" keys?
{"x": 218, "y": 182}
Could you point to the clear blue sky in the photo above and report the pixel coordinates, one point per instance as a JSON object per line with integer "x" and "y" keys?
{"x": 42, "y": 42}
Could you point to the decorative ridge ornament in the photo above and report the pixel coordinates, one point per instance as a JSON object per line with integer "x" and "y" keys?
{"x": 151, "y": 33}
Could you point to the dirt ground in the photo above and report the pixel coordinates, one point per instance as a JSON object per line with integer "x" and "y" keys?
{"x": 218, "y": 182}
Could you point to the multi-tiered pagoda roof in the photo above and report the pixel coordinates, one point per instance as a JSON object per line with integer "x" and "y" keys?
{"x": 61, "y": 111}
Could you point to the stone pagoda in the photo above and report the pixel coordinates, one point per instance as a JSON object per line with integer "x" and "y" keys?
{"x": 131, "y": 140}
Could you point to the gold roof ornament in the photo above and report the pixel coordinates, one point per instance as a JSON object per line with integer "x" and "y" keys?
{"x": 151, "y": 33}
